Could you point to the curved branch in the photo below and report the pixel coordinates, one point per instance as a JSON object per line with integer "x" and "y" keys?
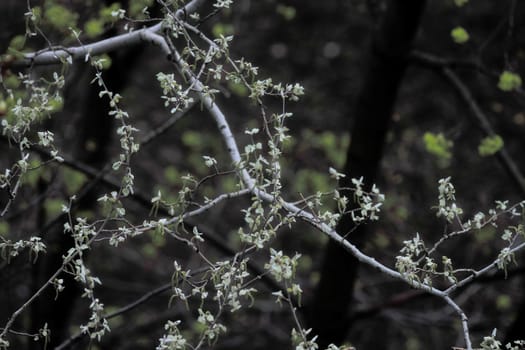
{"x": 250, "y": 183}
{"x": 55, "y": 56}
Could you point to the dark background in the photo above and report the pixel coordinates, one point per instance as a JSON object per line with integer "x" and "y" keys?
{"x": 365, "y": 88}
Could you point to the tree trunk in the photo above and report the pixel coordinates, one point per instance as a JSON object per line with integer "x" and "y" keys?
{"x": 386, "y": 64}
{"x": 516, "y": 330}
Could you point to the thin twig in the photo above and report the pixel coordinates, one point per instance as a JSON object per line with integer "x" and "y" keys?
{"x": 143, "y": 299}
{"x": 444, "y": 66}
{"x": 429, "y": 60}
{"x": 163, "y": 128}
{"x": 484, "y": 124}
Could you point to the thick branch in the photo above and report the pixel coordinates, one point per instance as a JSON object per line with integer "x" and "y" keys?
{"x": 55, "y": 56}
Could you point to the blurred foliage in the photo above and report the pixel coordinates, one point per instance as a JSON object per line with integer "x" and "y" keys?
{"x": 223, "y": 29}
{"x": 509, "y": 81}
{"x": 74, "y": 180}
{"x": 17, "y": 43}
{"x": 53, "y": 206}
{"x": 288, "y": 12}
{"x": 136, "y": 7}
{"x": 503, "y": 302}
{"x": 32, "y": 176}
{"x": 459, "y": 35}
{"x": 94, "y": 28}
{"x": 311, "y": 181}
{"x": 106, "y": 61}
{"x": 172, "y": 175}
{"x": 4, "y": 228}
{"x": 460, "y": 3}
{"x": 438, "y": 145}
{"x": 490, "y": 145}
{"x": 106, "y": 13}
{"x": 238, "y": 89}
{"x": 60, "y": 17}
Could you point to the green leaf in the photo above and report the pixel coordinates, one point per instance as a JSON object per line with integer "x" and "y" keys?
{"x": 105, "y": 13}
{"x": 32, "y": 176}
{"x": 438, "y": 145}
{"x": 136, "y": 6}
{"x": 36, "y": 14}
{"x": 490, "y": 145}
{"x": 238, "y": 89}
{"x": 172, "y": 175}
{"x": 93, "y": 28}
{"x": 229, "y": 184}
{"x": 486, "y": 234}
{"x": 382, "y": 240}
{"x": 3, "y": 107}
{"x": 73, "y": 180}
{"x": 158, "y": 239}
{"x": 193, "y": 139}
{"x": 311, "y": 181}
{"x": 332, "y": 144}
{"x": 60, "y": 17}
{"x": 459, "y": 35}
{"x": 105, "y": 59}
{"x": 149, "y": 250}
{"x": 56, "y": 104}
{"x": 509, "y": 81}
{"x": 503, "y": 302}
{"x": 460, "y": 3}
{"x": 4, "y": 228}
{"x": 53, "y": 207}
{"x": 288, "y": 12}
{"x": 224, "y": 29}
{"x": 11, "y": 81}
{"x": 17, "y": 43}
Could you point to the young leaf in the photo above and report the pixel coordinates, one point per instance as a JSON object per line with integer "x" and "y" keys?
{"x": 490, "y": 145}
{"x": 60, "y": 17}
{"x": 459, "y": 35}
{"x": 288, "y": 12}
{"x": 438, "y": 145}
{"x": 460, "y": 3}
{"x": 509, "y": 81}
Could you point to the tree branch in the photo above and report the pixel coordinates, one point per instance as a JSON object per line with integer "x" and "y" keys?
{"x": 503, "y": 155}
{"x": 55, "y": 56}
{"x": 251, "y": 184}
{"x": 431, "y": 61}
{"x": 444, "y": 66}
{"x": 143, "y": 299}
{"x": 164, "y": 127}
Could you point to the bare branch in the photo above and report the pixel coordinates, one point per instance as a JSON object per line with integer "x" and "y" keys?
{"x": 152, "y": 135}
